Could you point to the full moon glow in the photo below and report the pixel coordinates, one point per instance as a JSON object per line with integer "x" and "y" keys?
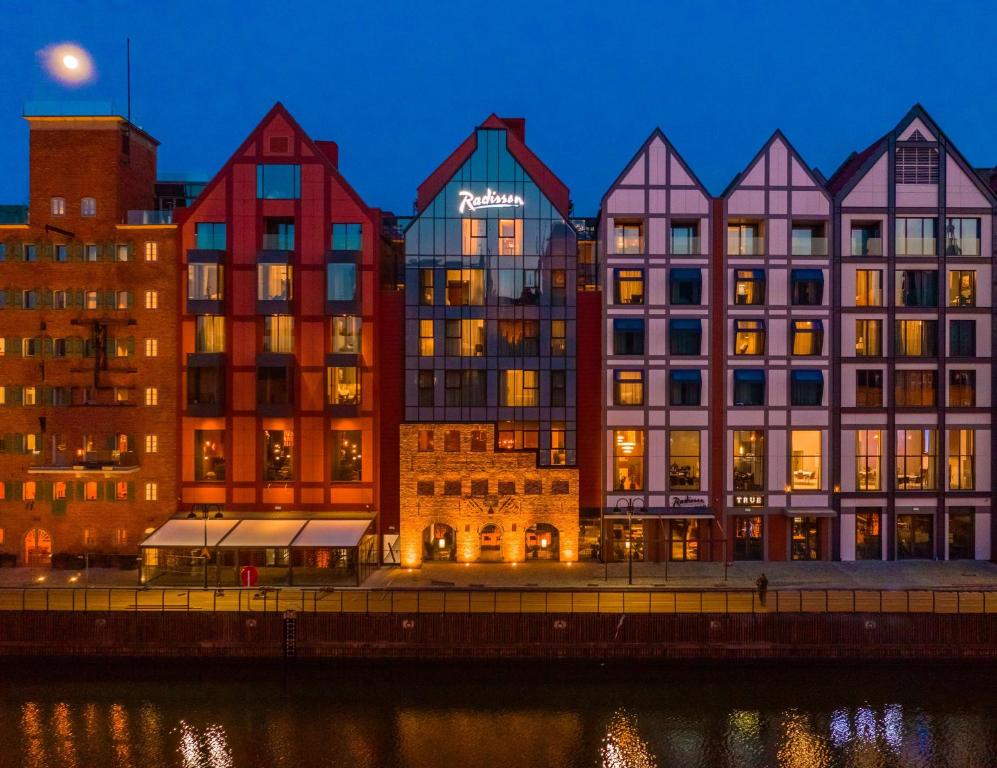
{"x": 68, "y": 63}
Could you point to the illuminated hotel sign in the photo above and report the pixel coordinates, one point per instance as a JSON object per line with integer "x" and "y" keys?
{"x": 470, "y": 202}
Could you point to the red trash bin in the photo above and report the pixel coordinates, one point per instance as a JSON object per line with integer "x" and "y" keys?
{"x": 248, "y": 576}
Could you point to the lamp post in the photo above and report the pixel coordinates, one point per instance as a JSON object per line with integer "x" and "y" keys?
{"x": 203, "y": 511}
{"x": 629, "y": 503}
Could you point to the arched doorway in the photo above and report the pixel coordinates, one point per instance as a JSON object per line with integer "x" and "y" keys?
{"x": 37, "y": 547}
{"x": 490, "y": 543}
{"x": 542, "y": 542}
{"x": 439, "y": 542}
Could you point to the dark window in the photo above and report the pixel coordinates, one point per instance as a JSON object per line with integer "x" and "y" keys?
{"x": 558, "y": 389}
{"x": 685, "y": 387}
{"x": 868, "y": 534}
{"x": 749, "y": 387}
{"x": 479, "y": 487}
{"x": 479, "y": 441}
{"x": 962, "y": 389}
{"x": 629, "y": 286}
{"x": 507, "y": 487}
{"x": 685, "y": 286}
{"x": 451, "y": 488}
{"x": 628, "y": 336}
{"x": 961, "y": 534}
{"x": 685, "y": 336}
{"x": 278, "y": 182}
{"x": 204, "y": 385}
{"x": 274, "y": 385}
{"x": 532, "y": 487}
{"x": 209, "y": 236}
{"x": 425, "y": 488}
{"x": 807, "y": 287}
{"x": 868, "y": 389}
{"x": 464, "y": 388}
{"x": 806, "y": 387}
{"x": 558, "y": 288}
{"x": 685, "y": 239}
{"x": 962, "y": 338}
{"x": 278, "y": 233}
{"x": 917, "y": 288}
{"x": 426, "y": 441}
{"x": 451, "y": 441}
{"x": 867, "y": 240}
{"x": 426, "y": 385}
{"x": 749, "y": 286}
{"x": 915, "y": 389}
{"x": 559, "y": 487}
{"x": 628, "y": 387}
{"x": 347, "y": 237}
{"x": 209, "y": 455}
{"x": 340, "y": 282}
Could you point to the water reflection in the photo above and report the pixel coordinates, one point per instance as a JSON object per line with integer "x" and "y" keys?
{"x": 510, "y": 717}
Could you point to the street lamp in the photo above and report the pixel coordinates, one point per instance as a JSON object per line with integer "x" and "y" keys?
{"x": 629, "y": 503}
{"x": 204, "y": 511}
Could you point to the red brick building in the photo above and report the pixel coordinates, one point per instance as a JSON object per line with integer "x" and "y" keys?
{"x": 87, "y": 361}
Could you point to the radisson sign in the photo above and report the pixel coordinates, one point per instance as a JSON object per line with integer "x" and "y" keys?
{"x": 470, "y": 202}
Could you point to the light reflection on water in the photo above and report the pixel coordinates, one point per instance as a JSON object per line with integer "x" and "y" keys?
{"x": 515, "y": 716}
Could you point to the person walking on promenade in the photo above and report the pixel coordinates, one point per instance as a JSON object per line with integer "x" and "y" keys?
{"x": 763, "y": 588}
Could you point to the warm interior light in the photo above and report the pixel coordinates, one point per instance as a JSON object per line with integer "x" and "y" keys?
{"x": 442, "y": 543}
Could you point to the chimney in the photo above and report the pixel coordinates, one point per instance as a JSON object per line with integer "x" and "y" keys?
{"x": 331, "y": 151}
{"x": 517, "y": 126}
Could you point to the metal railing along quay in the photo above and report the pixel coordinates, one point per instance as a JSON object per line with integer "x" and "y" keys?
{"x": 499, "y": 600}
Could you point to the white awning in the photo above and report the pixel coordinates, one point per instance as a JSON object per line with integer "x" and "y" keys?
{"x": 800, "y": 512}
{"x": 189, "y": 533}
{"x": 262, "y": 533}
{"x": 332, "y": 533}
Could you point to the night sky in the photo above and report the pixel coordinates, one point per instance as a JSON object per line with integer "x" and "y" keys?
{"x": 399, "y": 85}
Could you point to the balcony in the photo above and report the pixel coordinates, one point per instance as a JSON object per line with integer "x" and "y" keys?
{"x": 690, "y": 246}
{"x": 746, "y": 247}
{"x": 916, "y": 246}
{"x": 149, "y": 218}
{"x": 815, "y": 246}
{"x": 872, "y": 246}
{"x": 89, "y": 462}
{"x": 278, "y": 242}
{"x": 962, "y": 246}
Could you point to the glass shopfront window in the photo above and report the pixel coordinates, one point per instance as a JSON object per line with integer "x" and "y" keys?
{"x": 806, "y": 459}
{"x": 868, "y": 534}
{"x": 962, "y": 534}
{"x": 917, "y": 459}
{"x": 805, "y": 539}
{"x": 628, "y": 460}
{"x": 684, "y": 538}
{"x": 278, "y": 454}
{"x": 347, "y": 456}
{"x": 748, "y": 537}
{"x": 749, "y": 460}
{"x": 868, "y": 459}
{"x": 915, "y": 537}
{"x": 209, "y": 455}
{"x": 683, "y": 460}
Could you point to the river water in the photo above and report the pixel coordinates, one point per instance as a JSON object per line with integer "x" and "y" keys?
{"x": 149, "y": 715}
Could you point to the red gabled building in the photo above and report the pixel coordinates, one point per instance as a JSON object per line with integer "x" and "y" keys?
{"x": 278, "y": 411}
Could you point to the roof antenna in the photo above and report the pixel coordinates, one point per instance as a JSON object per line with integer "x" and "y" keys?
{"x": 128, "y": 74}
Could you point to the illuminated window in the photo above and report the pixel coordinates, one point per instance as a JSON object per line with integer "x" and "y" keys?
{"x": 273, "y": 282}
{"x": 58, "y": 206}
{"x": 558, "y": 338}
{"x": 628, "y": 237}
{"x": 517, "y": 436}
{"x": 962, "y": 389}
{"x": 29, "y": 396}
{"x": 152, "y": 299}
{"x": 749, "y": 286}
{"x": 474, "y": 237}
{"x": 962, "y": 288}
{"x": 806, "y": 458}
{"x": 152, "y": 396}
{"x": 426, "y": 286}
{"x": 749, "y": 460}
{"x": 808, "y": 337}
{"x": 465, "y": 287}
{"x": 204, "y": 282}
{"x": 426, "y": 338}
{"x": 558, "y": 288}
{"x": 868, "y": 287}
{"x": 916, "y": 460}
{"x": 519, "y": 338}
{"x": 121, "y": 252}
{"x": 121, "y": 490}
{"x": 152, "y": 444}
{"x": 29, "y": 490}
{"x": 510, "y": 237}
{"x": 278, "y": 333}
{"x": 89, "y": 537}
{"x": 90, "y": 490}
{"x": 868, "y": 459}
{"x": 868, "y": 535}
{"x": 427, "y": 440}
{"x": 629, "y": 286}
{"x": 346, "y": 335}
{"x": 915, "y": 388}
{"x": 868, "y": 338}
{"x": 343, "y": 385}
{"x": 151, "y": 492}
{"x": 683, "y": 460}
{"x": 347, "y": 456}
{"x": 915, "y": 338}
{"x": 628, "y": 387}
{"x": 962, "y": 459}
{"x": 209, "y": 335}
{"x": 92, "y": 300}
{"x": 628, "y": 460}
{"x": 209, "y": 455}
{"x": 120, "y": 536}
{"x": 151, "y": 250}
{"x": 278, "y": 454}
{"x": 749, "y": 337}
{"x": 519, "y": 388}
{"x": 962, "y": 237}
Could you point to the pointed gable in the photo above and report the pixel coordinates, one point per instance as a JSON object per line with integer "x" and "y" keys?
{"x": 776, "y": 181}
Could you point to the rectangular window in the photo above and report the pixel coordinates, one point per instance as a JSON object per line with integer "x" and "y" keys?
{"x": 628, "y": 460}
{"x": 915, "y": 236}
{"x": 152, "y": 396}
{"x": 61, "y": 253}
{"x": 426, "y": 287}
{"x": 426, "y": 338}
{"x": 867, "y": 240}
{"x": 916, "y": 288}
{"x": 274, "y": 385}
{"x": 209, "y": 236}
{"x": 205, "y": 385}
{"x": 58, "y": 206}
{"x": 342, "y": 385}
{"x": 868, "y": 535}
{"x": 517, "y": 436}
{"x": 89, "y": 537}
{"x": 474, "y": 237}
{"x": 805, "y": 446}
{"x": 347, "y": 237}
{"x": 519, "y": 388}
{"x": 915, "y": 389}
{"x": 628, "y": 336}
{"x": 806, "y": 388}
{"x": 685, "y": 239}
{"x": 558, "y": 338}
{"x": 151, "y": 347}
{"x": 685, "y": 286}
{"x": 962, "y": 534}
{"x": 868, "y": 338}
{"x": 273, "y": 282}
{"x": 962, "y": 459}
{"x": 278, "y": 333}
{"x": 744, "y": 240}
{"x": 120, "y": 536}
{"x": 347, "y": 456}
{"x": 204, "y": 282}
{"x": 962, "y": 237}
{"x": 465, "y": 287}
{"x": 278, "y": 181}
{"x": 91, "y": 252}
{"x": 452, "y": 488}
{"x": 510, "y": 237}
{"x": 628, "y": 237}
{"x": 558, "y": 389}
{"x": 749, "y": 337}
{"x": 519, "y": 338}
{"x": 749, "y": 387}
{"x": 88, "y": 206}
{"x": 629, "y": 286}
{"x": 426, "y": 383}
{"x": 749, "y": 286}
{"x": 346, "y": 335}
{"x": 278, "y": 454}
{"x": 464, "y": 388}
{"x": 685, "y": 387}
{"x": 152, "y": 299}
{"x": 962, "y": 389}
{"x": 683, "y": 460}
{"x": 685, "y": 337}
{"x": 915, "y": 338}
{"x": 451, "y": 441}
{"x": 868, "y": 388}
{"x": 151, "y": 492}
{"x": 91, "y": 300}
{"x": 340, "y": 282}
{"x": 152, "y": 443}
{"x": 808, "y": 337}
{"x": 209, "y": 455}
{"x": 868, "y": 287}
{"x": 558, "y": 288}
{"x": 806, "y": 287}
{"x": 749, "y": 460}
{"x": 917, "y": 459}
{"x": 121, "y": 252}
{"x": 210, "y": 334}
{"x": 151, "y": 250}
{"x": 962, "y": 287}
{"x": 868, "y": 459}
{"x": 962, "y": 338}
{"x": 278, "y": 234}
{"x": 628, "y": 387}
{"x": 465, "y": 338}
{"x": 808, "y": 240}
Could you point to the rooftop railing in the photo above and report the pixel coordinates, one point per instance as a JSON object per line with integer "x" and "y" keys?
{"x": 137, "y": 218}
{"x": 13, "y": 214}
